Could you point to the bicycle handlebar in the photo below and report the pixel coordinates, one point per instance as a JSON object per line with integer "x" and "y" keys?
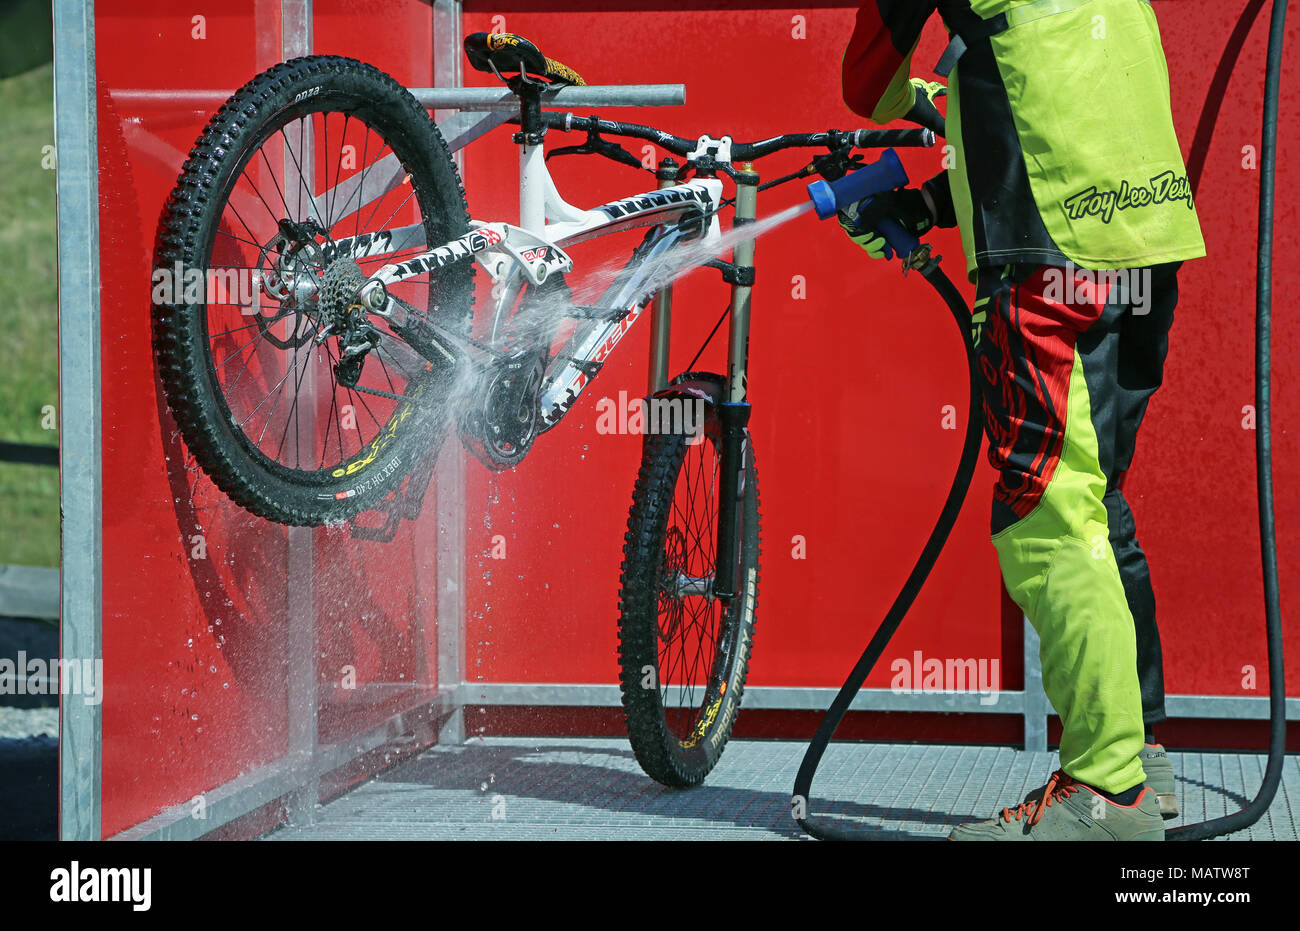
{"x": 745, "y": 151}
{"x": 833, "y": 139}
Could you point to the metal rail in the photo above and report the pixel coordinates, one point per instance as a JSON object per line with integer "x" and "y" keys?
{"x": 444, "y": 98}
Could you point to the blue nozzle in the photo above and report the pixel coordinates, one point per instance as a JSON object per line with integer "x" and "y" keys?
{"x": 884, "y": 174}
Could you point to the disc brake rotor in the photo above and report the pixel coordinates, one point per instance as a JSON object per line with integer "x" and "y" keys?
{"x": 288, "y": 273}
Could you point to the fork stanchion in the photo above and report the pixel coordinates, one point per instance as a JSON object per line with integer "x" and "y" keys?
{"x": 742, "y": 256}
{"x": 662, "y": 309}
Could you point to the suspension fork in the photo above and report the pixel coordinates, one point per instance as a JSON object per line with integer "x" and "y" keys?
{"x": 733, "y": 411}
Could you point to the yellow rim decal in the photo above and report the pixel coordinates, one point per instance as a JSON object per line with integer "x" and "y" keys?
{"x": 379, "y": 443}
{"x": 710, "y": 714}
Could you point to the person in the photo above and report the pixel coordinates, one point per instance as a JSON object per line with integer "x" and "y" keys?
{"x": 1067, "y": 183}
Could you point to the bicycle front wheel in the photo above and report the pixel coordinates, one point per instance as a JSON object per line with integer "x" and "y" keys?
{"x": 299, "y": 406}
{"x": 683, "y": 653}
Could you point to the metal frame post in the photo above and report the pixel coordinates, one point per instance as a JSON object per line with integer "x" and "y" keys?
{"x": 303, "y": 700}
{"x": 1036, "y": 707}
{"x": 449, "y": 488}
{"x": 80, "y": 424}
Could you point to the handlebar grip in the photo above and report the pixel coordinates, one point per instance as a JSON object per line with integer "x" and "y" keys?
{"x": 900, "y": 240}
{"x": 885, "y": 138}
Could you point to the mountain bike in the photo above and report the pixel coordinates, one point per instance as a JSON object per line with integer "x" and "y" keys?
{"x": 320, "y": 340}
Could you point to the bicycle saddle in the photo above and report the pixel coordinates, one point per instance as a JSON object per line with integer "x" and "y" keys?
{"x": 506, "y": 53}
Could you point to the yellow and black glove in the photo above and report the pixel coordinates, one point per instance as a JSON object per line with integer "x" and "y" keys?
{"x": 906, "y": 205}
{"x": 924, "y": 112}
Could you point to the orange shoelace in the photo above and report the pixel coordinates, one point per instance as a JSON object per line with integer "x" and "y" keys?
{"x": 1060, "y": 786}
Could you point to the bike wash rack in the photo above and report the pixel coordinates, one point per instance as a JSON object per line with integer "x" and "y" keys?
{"x": 463, "y": 115}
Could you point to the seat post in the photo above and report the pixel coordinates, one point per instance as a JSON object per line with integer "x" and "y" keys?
{"x": 532, "y": 167}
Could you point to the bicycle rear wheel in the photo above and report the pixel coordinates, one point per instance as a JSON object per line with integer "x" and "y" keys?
{"x": 683, "y": 653}
{"x": 304, "y": 183}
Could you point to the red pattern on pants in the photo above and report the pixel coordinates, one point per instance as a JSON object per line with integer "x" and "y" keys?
{"x": 1026, "y": 355}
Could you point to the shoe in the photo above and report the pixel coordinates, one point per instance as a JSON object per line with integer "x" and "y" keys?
{"x": 1160, "y": 776}
{"x": 1069, "y": 810}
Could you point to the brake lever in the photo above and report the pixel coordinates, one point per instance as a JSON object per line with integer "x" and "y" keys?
{"x": 836, "y": 164}
{"x": 595, "y": 145}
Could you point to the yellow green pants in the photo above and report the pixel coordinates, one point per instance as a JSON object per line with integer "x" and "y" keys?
{"x": 1056, "y": 478}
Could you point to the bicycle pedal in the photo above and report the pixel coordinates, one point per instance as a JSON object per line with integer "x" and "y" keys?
{"x": 589, "y": 367}
{"x": 598, "y": 313}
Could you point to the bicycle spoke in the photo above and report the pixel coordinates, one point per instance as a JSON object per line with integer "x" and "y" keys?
{"x": 279, "y": 397}
{"x": 361, "y": 185}
{"x": 230, "y": 332}
{"x": 409, "y": 195}
{"x": 289, "y": 416}
{"x": 264, "y": 400}
{"x": 391, "y": 173}
{"x": 243, "y": 174}
{"x": 325, "y": 131}
{"x": 338, "y": 420}
{"x": 221, "y": 232}
{"x": 271, "y": 172}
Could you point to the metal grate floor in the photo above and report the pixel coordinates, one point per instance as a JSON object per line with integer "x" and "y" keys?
{"x": 592, "y": 789}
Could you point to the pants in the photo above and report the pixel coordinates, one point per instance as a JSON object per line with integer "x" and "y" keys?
{"x": 1068, "y": 361}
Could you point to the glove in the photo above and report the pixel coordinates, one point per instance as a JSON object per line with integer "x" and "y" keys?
{"x": 924, "y": 112}
{"x": 908, "y": 206}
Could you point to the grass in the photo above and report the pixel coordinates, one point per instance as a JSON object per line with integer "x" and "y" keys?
{"x": 29, "y": 355}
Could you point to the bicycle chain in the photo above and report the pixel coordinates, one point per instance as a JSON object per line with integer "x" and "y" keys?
{"x": 382, "y": 394}
{"x": 413, "y": 311}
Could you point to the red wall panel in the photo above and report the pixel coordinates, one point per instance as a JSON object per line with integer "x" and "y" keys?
{"x": 849, "y": 383}
{"x": 851, "y": 368}
{"x": 1192, "y": 487}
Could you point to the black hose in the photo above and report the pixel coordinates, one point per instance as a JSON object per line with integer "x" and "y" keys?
{"x": 933, "y": 547}
{"x": 1263, "y": 461}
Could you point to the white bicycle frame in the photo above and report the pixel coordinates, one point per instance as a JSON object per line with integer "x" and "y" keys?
{"x": 516, "y": 256}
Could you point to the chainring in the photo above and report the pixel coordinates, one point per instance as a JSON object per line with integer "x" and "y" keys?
{"x": 500, "y": 431}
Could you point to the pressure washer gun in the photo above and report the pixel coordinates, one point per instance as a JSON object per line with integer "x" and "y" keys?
{"x": 885, "y": 174}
